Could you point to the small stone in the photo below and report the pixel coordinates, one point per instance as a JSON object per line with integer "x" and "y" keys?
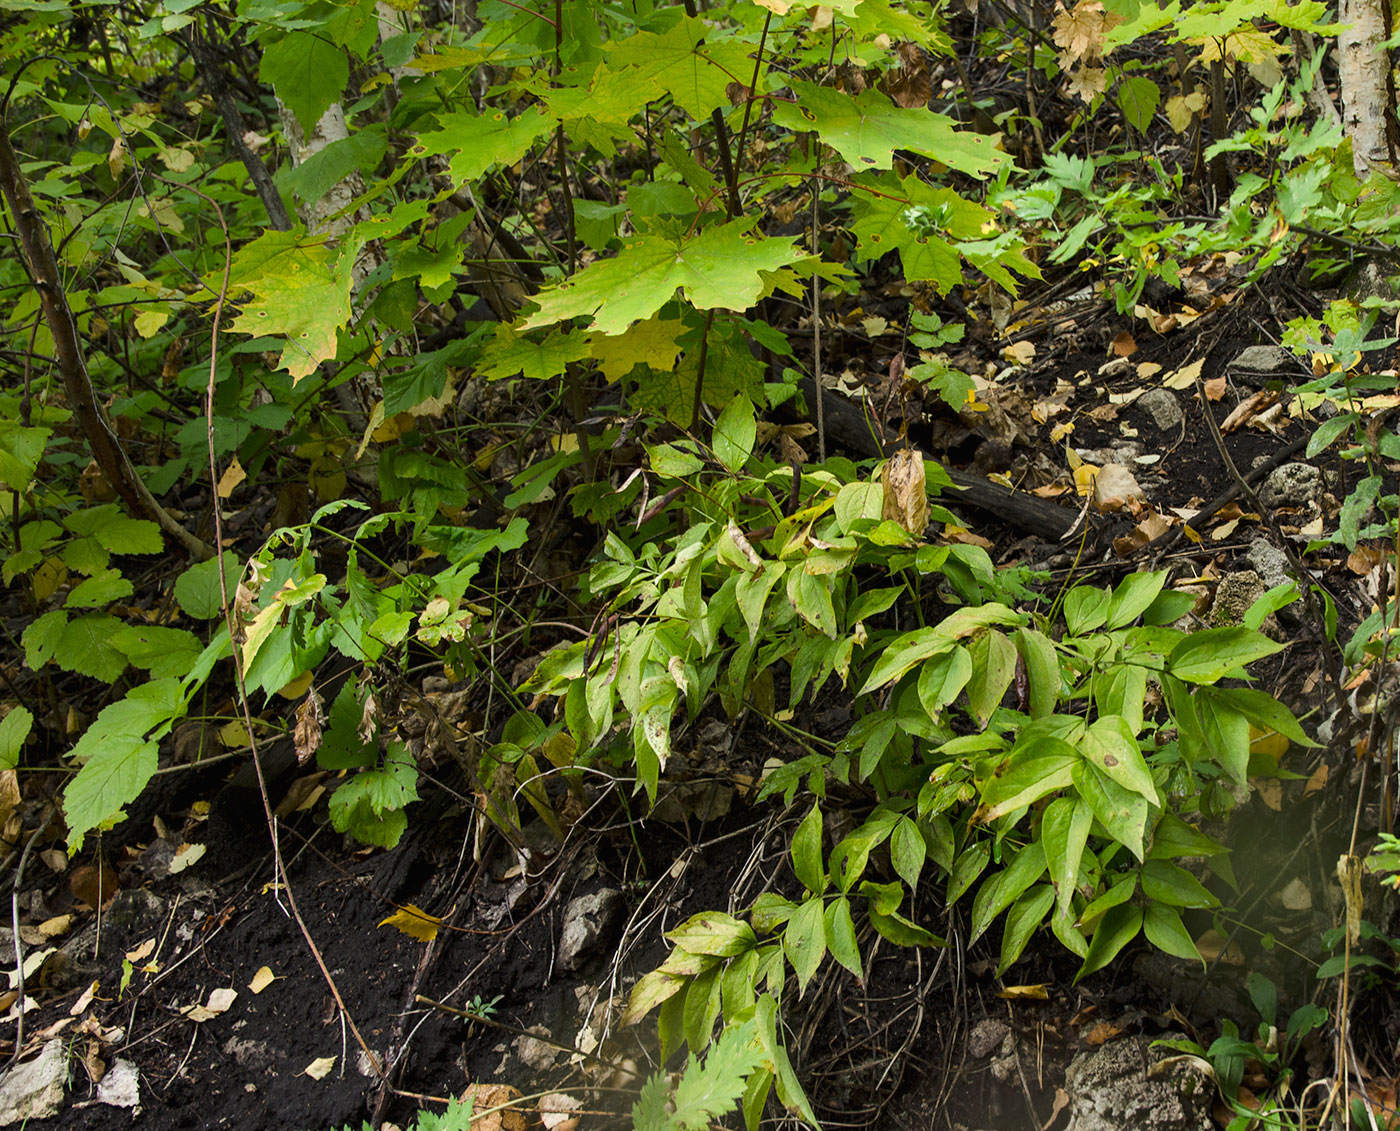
{"x": 34, "y": 1089}
{"x": 986, "y": 1037}
{"x": 535, "y": 1053}
{"x": 1268, "y": 561}
{"x": 588, "y": 919}
{"x": 1115, "y": 487}
{"x": 136, "y": 909}
{"x": 121, "y": 1087}
{"x": 1163, "y": 409}
{"x": 1291, "y": 485}
{"x": 1234, "y": 595}
{"x": 1257, "y": 364}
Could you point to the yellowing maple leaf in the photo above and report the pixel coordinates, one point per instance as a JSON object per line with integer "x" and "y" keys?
{"x": 651, "y": 343}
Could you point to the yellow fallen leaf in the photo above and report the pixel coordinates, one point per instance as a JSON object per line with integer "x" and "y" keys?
{"x": 233, "y": 475}
{"x": 319, "y": 1068}
{"x": 414, "y": 922}
{"x": 262, "y": 979}
{"x": 1185, "y": 377}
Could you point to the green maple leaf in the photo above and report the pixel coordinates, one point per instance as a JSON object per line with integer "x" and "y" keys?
{"x": 653, "y": 343}
{"x": 483, "y": 140}
{"x": 511, "y": 355}
{"x": 678, "y": 62}
{"x": 867, "y": 128}
{"x": 719, "y": 267}
{"x": 307, "y": 73}
{"x": 919, "y": 221}
{"x": 300, "y": 291}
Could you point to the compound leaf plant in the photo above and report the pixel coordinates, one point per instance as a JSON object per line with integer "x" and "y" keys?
{"x": 632, "y": 193}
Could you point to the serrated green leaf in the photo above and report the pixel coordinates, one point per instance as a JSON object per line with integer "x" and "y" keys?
{"x": 164, "y": 652}
{"x": 481, "y": 141}
{"x": 308, "y": 73}
{"x": 87, "y": 647}
{"x": 98, "y": 590}
{"x": 197, "y": 588}
{"x": 719, "y": 267}
{"x": 867, "y": 128}
{"x": 20, "y": 452}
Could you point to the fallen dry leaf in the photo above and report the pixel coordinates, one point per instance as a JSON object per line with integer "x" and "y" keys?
{"x": 1124, "y": 345}
{"x": 1038, "y": 992}
{"x": 1185, "y": 377}
{"x": 493, "y": 1103}
{"x": 414, "y": 922}
{"x": 185, "y": 856}
{"x": 1270, "y": 792}
{"x": 1101, "y": 1032}
{"x": 233, "y": 475}
{"x": 1318, "y": 780}
{"x": 1215, "y": 388}
{"x": 263, "y": 978}
{"x": 1248, "y": 409}
{"x": 319, "y": 1068}
{"x": 219, "y": 1002}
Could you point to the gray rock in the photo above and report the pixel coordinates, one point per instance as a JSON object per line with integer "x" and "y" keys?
{"x": 34, "y": 1089}
{"x": 1291, "y": 485}
{"x": 1268, "y": 561}
{"x": 1233, "y": 596}
{"x": 986, "y": 1037}
{"x": 121, "y": 1087}
{"x": 1256, "y": 365}
{"x": 1125, "y": 453}
{"x": 1162, "y": 408}
{"x": 1113, "y": 1088}
{"x": 589, "y": 920}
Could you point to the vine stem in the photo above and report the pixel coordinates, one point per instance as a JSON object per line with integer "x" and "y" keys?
{"x": 817, "y": 311}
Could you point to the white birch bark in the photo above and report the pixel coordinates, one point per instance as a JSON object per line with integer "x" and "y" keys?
{"x": 1362, "y": 65}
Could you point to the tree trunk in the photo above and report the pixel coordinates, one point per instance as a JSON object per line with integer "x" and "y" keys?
{"x": 1368, "y": 110}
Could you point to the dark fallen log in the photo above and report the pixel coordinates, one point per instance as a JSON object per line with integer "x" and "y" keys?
{"x": 851, "y": 428}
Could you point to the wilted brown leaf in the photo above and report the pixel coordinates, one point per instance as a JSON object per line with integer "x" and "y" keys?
{"x": 906, "y": 491}
{"x": 306, "y": 735}
{"x": 1124, "y": 345}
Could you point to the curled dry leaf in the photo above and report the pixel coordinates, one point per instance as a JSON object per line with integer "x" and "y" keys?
{"x": 906, "y": 492}
{"x": 306, "y": 735}
{"x": 559, "y": 1112}
{"x": 319, "y": 1068}
{"x": 492, "y": 1107}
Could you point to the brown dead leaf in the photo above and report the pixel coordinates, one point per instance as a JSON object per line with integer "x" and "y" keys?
{"x": 1087, "y": 82}
{"x": 95, "y": 884}
{"x": 1365, "y": 558}
{"x": 1270, "y": 792}
{"x": 1215, "y": 388}
{"x": 1318, "y": 780}
{"x": 492, "y": 1103}
{"x": 559, "y": 1112}
{"x": 1124, "y": 345}
{"x": 307, "y": 733}
{"x": 1212, "y": 946}
{"x": 1101, "y": 1032}
{"x": 1080, "y": 31}
{"x": 910, "y": 86}
{"x": 1248, "y": 409}
{"x": 906, "y": 492}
